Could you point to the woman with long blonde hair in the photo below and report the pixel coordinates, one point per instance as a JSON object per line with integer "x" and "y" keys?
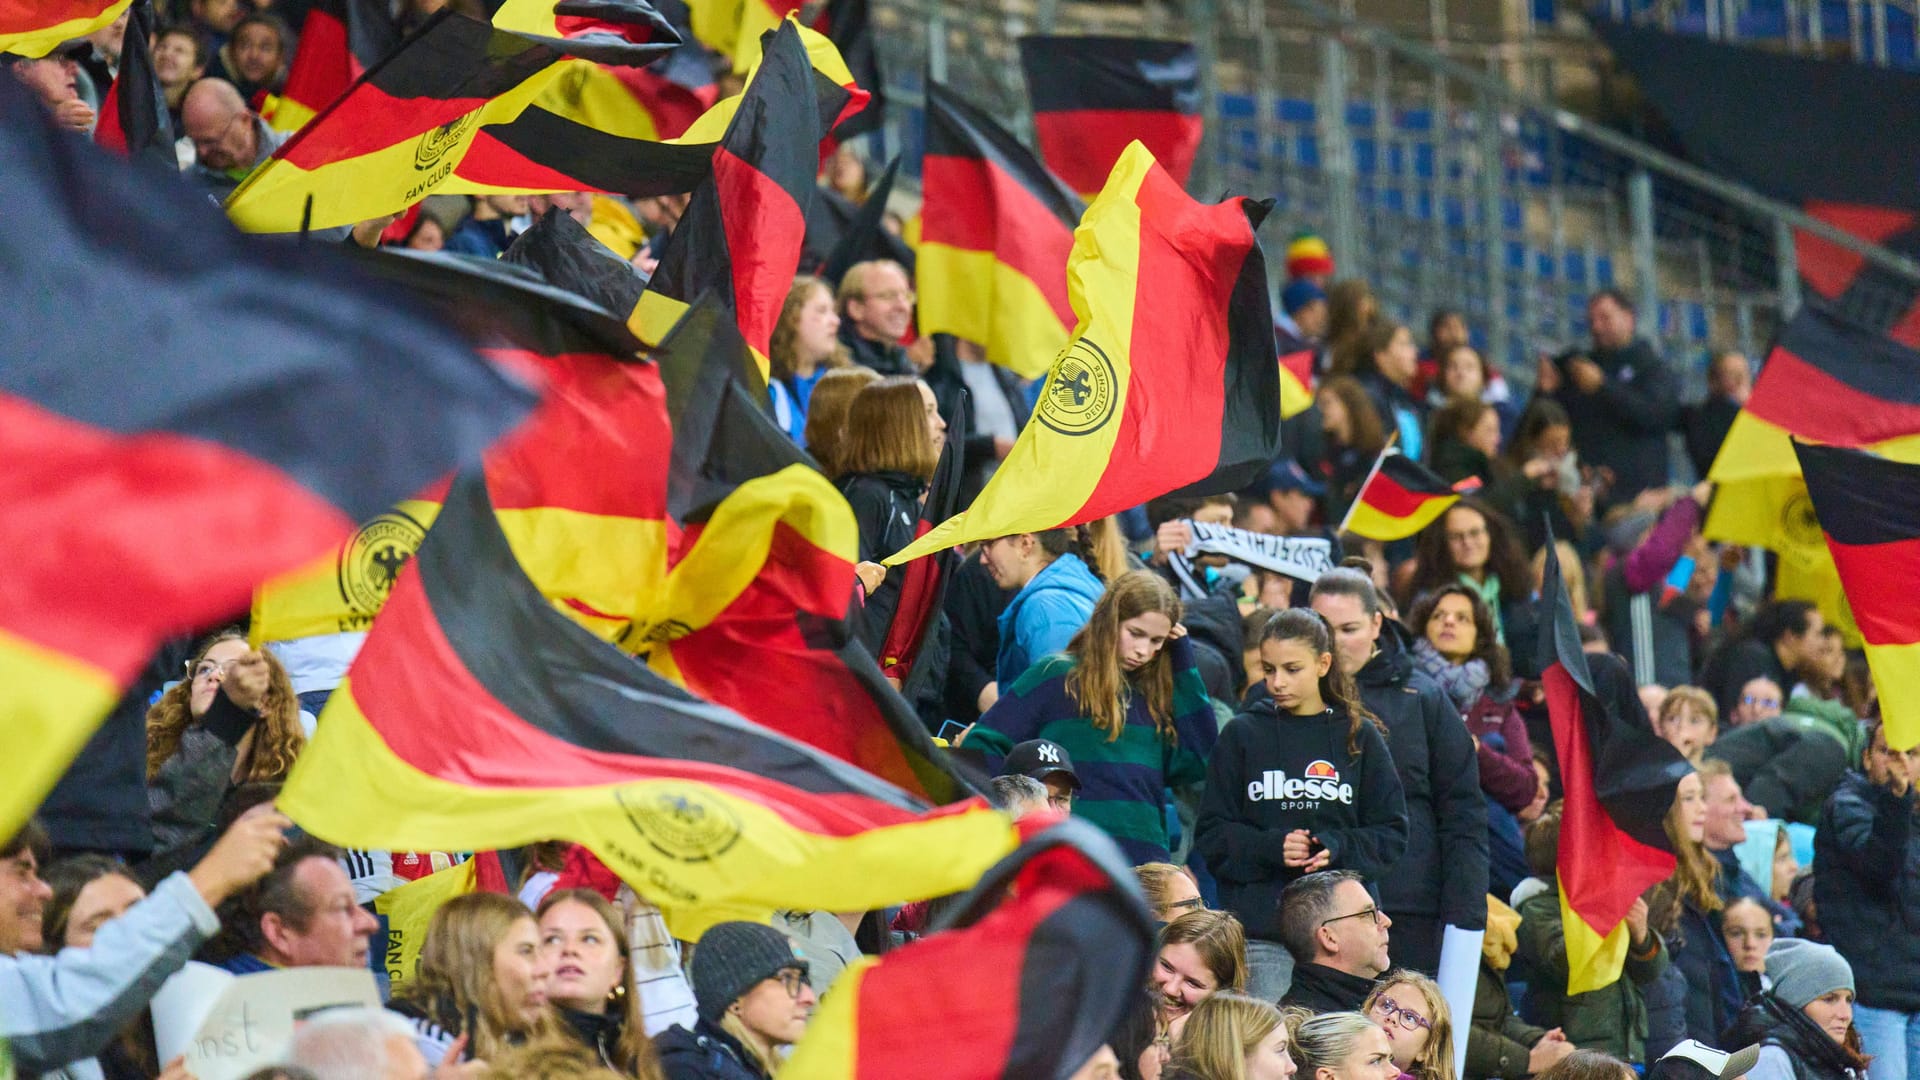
{"x": 1231, "y": 1036}
{"x": 805, "y": 346}
{"x": 1409, "y": 1007}
{"x": 1685, "y": 909}
{"x": 584, "y": 941}
{"x": 1126, "y": 701}
{"x": 826, "y": 426}
{"x": 233, "y": 719}
{"x": 482, "y": 976}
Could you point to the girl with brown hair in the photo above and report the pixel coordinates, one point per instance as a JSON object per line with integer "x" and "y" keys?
{"x": 826, "y": 426}
{"x": 482, "y": 977}
{"x": 1354, "y": 438}
{"x": 582, "y": 939}
{"x": 1126, "y": 701}
{"x": 1199, "y": 954}
{"x": 233, "y": 719}
{"x": 1685, "y": 910}
{"x": 805, "y": 346}
{"x": 1232, "y": 1037}
{"x": 894, "y": 439}
{"x": 1455, "y": 648}
{"x": 1475, "y": 545}
{"x": 1414, "y": 1014}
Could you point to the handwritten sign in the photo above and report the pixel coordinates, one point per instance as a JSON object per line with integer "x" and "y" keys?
{"x": 229, "y": 1025}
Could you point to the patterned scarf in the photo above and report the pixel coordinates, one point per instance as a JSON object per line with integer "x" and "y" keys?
{"x": 1464, "y": 683}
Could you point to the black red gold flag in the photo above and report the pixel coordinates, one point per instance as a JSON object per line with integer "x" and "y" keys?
{"x": 1029, "y": 978}
{"x": 918, "y": 599}
{"x": 742, "y": 232}
{"x": 339, "y": 41}
{"x": 1093, "y": 95}
{"x": 849, "y": 25}
{"x": 1619, "y": 781}
{"x": 996, "y": 229}
{"x": 1171, "y": 381}
{"x": 1400, "y": 497}
{"x": 223, "y": 413}
{"x": 33, "y": 29}
{"x": 476, "y": 715}
{"x": 840, "y": 234}
{"x": 133, "y": 117}
{"x": 1869, "y": 511}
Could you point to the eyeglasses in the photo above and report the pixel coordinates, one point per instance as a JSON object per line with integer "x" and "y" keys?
{"x": 1470, "y": 534}
{"x": 890, "y": 297}
{"x": 1192, "y": 903}
{"x": 209, "y": 668}
{"x": 792, "y": 980}
{"x": 1763, "y": 702}
{"x": 1408, "y": 1020}
{"x": 1060, "y": 802}
{"x": 1370, "y": 912}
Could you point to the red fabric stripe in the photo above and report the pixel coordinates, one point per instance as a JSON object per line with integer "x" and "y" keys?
{"x": 765, "y": 229}
{"x": 1829, "y": 268}
{"x": 20, "y": 16}
{"x": 107, "y": 131}
{"x": 434, "y": 715}
{"x": 1806, "y": 401}
{"x": 1602, "y": 869}
{"x": 323, "y": 66}
{"x": 1081, "y": 145}
{"x": 1385, "y": 494}
{"x": 973, "y": 206}
{"x": 1190, "y": 259}
{"x": 672, "y": 106}
{"x": 490, "y": 161}
{"x": 380, "y": 121}
{"x": 1300, "y": 366}
{"x": 593, "y": 444}
{"x": 113, "y": 541}
{"x": 1887, "y": 616}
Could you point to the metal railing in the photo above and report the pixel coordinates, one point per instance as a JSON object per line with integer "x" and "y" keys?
{"x": 1883, "y": 32}
{"x": 1432, "y": 177}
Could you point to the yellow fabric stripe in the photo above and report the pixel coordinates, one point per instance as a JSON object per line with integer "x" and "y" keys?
{"x": 821, "y": 52}
{"x": 741, "y": 860}
{"x": 830, "y": 1048}
{"x": 52, "y": 704}
{"x": 654, "y": 316}
{"x": 285, "y": 114}
{"x": 274, "y": 197}
{"x": 587, "y": 93}
{"x": 971, "y": 294}
{"x": 1294, "y": 398}
{"x": 1896, "y": 672}
{"x": 34, "y": 44}
{"x": 1374, "y": 525}
{"x": 409, "y": 910}
{"x": 1594, "y": 960}
{"x": 1049, "y": 475}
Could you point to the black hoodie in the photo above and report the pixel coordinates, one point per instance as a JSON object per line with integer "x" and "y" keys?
{"x": 1444, "y": 872}
{"x": 1272, "y": 774}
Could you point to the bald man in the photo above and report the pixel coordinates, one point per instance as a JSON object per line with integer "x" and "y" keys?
{"x": 229, "y": 139}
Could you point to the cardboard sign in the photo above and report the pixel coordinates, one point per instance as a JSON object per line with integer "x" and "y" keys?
{"x": 229, "y": 1025}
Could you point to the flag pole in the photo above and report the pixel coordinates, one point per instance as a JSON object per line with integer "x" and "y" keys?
{"x": 1351, "y": 507}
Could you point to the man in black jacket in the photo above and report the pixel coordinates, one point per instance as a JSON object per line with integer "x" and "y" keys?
{"x": 876, "y": 308}
{"x": 1338, "y": 937}
{"x": 1620, "y": 397}
{"x": 1442, "y": 881}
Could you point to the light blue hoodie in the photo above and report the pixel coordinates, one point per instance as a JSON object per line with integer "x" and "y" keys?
{"x": 1044, "y": 616}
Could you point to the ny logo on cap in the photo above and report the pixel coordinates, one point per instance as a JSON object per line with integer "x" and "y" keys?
{"x": 1049, "y": 753}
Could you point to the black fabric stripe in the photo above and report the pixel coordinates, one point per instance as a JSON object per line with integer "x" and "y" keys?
{"x": 1068, "y": 74}
{"x": 494, "y": 299}
{"x": 371, "y": 32}
{"x": 601, "y": 160}
{"x": 136, "y": 307}
{"x": 957, "y": 129}
{"x": 1413, "y": 476}
{"x": 1860, "y": 356}
{"x": 556, "y": 676}
{"x": 456, "y": 56}
{"x": 1861, "y": 498}
{"x": 1250, "y": 419}
{"x": 562, "y": 252}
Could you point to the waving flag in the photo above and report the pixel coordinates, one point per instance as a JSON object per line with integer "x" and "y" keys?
{"x": 996, "y": 231}
{"x": 477, "y": 716}
{"x": 1175, "y": 343}
{"x": 1619, "y": 781}
{"x": 1399, "y": 498}
{"x": 1869, "y": 510}
{"x": 223, "y": 413}
{"x": 1296, "y": 384}
{"x": 1044, "y": 957}
{"x": 339, "y": 41}
{"x": 923, "y": 582}
{"x": 1094, "y": 95}
{"x": 133, "y": 117}
{"x": 34, "y": 29}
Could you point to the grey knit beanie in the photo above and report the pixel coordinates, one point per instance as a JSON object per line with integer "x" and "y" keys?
{"x": 731, "y": 958}
{"x": 1804, "y": 971}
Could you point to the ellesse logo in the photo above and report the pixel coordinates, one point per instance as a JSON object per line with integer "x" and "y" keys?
{"x": 1320, "y": 784}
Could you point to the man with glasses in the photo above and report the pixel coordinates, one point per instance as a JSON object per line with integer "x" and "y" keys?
{"x": 876, "y": 310}
{"x": 1338, "y": 937}
{"x": 54, "y": 80}
{"x": 1048, "y": 762}
{"x": 229, "y": 139}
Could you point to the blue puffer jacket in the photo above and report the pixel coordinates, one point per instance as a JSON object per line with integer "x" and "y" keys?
{"x": 705, "y": 1053}
{"x": 1866, "y": 883}
{"x": 1045, "y": 615}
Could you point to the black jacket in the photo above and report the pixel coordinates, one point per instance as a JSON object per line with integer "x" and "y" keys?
{"x": 973, "y": 606}
{"x": 1272, "y": 774}
{"x": 1713, "y": 986}
{"x": 886, "y": 506}
{"x": 1866, "y": 884}
{"x": 1768, "y": 1021}
{"x": 1444, "y": 871}
{"x": 1705, "y": 426}
{"x": 1784, "y": 766}
{"x": 1321, "y": 989}
{"x": 1623, "y": 425}
{"x": 601, "y": 1031}
{"x": 705, "y": 1053}
{"x": 1737, "y": 663}
{"x": 885, "y": 357}
{"x": 100, "y": 803}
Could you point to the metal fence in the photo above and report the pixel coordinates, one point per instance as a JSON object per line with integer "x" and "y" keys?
{"x": 1446, "y": 179}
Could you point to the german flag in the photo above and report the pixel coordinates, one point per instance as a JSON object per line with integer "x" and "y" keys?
{"x": 404, "y": 129}
{"x": 1296, "y": 384}
{"x": 227, "y": 433}
{"x": 732, "y": 28}
{"x": 1175, "y": 342}
{"x": 1043, "y": 958}
{"x": 133, "y": 117}
{"x": 743, "y": 230}
{"x": 923, "y": 582}
{"x": 849, "y": 25}
{"x": 1828, "y": 379}
{"x": 996, "y": 230}
{"x": 756, "y": 615}
{"x": 1399, "y": 498}
{"x": 1619, "y": 782}
{"x": 1869, "y": 509}
{"x": 674, "y": 92}
{"x": 840, "y": 234}
{"x": 339, "y": 41}
{"x": 32, "y": 29}
{"x": 1094, "y": 95}
{"x": 594, "y": 538}
{"x": 476, "y": 716}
